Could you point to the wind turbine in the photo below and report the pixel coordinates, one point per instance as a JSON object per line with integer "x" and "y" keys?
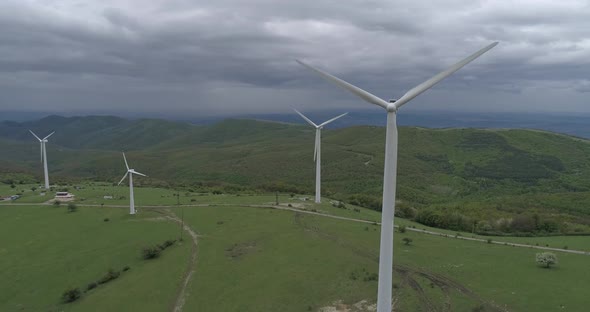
{"x": 44, "y": 155}
{"x": 390, "y": 170}
{"x": 317, "y": 155}
{"x": 130, "y": 172}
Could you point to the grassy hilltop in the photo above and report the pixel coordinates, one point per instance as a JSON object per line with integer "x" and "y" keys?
{"x": 252, "y": 258}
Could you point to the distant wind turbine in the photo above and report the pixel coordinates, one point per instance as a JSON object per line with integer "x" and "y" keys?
{"x": 130, "y": 172}
{"x": 317, "y": 155}
{"x": 44, "y": 156}
{"x": 390, "y": 171}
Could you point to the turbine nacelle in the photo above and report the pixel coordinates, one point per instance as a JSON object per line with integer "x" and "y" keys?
{"x": 318, "y": 128}
{"x": 129, "y": 171}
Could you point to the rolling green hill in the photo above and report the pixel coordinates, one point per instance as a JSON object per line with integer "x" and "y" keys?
{"x": 463, "y": 179}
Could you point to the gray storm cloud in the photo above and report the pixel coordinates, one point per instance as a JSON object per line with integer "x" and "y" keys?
{"x": 233, "y": 57}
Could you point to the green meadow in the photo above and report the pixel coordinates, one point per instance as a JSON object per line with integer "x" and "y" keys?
{"x": 262, "y": 259}
{"x": 45, "y": 250}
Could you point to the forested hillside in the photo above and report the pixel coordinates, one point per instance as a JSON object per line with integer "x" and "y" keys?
{"x": 488, "y": 180}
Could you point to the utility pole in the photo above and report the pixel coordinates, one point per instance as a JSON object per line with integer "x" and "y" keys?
{"x": 277, "y": 197}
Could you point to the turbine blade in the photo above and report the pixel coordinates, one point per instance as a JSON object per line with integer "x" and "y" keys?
{"x": 125, "y": 158}
{"x": 414, "y": 92}
{"x": 354, "y": 89}
{"x": 306, "y": 119}
{"x": 45, "y": 138}
{"x": 141, "y": 174}
{"x": 33, "y": 133}
{"x": 126, "y": 173}
{"x": 329, "y": 121}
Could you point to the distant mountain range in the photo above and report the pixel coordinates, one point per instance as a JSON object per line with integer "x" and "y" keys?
{"x": 566, "y": 123}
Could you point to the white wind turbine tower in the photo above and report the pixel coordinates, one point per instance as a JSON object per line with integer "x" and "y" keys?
{"x": 44, "y": 156}
{"x": 130, "y": 172}
{"x": 317, "y": 154}
{"x": 389, "y": 175}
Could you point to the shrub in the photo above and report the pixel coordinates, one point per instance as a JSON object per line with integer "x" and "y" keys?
{"x": 126, "y": 268}
{"x": 371, "y": 277}
{"x": 72, "y": 207}
{"x": 407, "y": 241}
{"x": 167, "y": 244}
{"x": 546, "y": 259}
{"x": 91, "y": 286}
{"x": 56, "y": 203}
{"x": 71, "y": 295}
{"x": 150, "y": 252}
{"x": 111, "y": 275}
{"x": 402, "y": 228}
{"x": 489, "y": 241}
{"x": 106, "y": 220}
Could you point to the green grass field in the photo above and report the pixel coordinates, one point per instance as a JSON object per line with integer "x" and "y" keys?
{"x": 262, "y": 259}
{"x": 267, "y": 260}
{"x": 44, "y": 250}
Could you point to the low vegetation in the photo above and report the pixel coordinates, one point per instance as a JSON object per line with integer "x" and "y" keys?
{"x": 72, "y": 207}
{"x": 546, "y": 259}
{"x": 71, "y": 295}
{"x": 152, "y": 252}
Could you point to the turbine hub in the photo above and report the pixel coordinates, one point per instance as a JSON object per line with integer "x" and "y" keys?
{"x": 391, "y": 107}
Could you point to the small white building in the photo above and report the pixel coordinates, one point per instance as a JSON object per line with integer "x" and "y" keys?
{"x": 63, "y": 195}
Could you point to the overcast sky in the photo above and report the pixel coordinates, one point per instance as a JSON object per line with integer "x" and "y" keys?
{"x": 222, "y": 57}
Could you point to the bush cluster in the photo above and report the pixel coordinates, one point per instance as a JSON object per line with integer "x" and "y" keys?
{"x": 152, "y": 252}
{"x": 71, "y": 295}
{"x": 111, "y": 275}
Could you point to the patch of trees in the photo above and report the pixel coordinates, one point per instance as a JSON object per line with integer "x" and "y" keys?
{"x": 522, "y": 225}
{"x": 368, "y": 201}
{"x": 440, "y": 162}
{"x": 283, "y": 187}
{"x": 446, "y": 220}
{"x": 72, "y": 294}
{"x": 152, "y": 252}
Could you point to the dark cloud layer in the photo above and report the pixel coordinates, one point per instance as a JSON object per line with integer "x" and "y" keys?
{"x": 234, "y": 57}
